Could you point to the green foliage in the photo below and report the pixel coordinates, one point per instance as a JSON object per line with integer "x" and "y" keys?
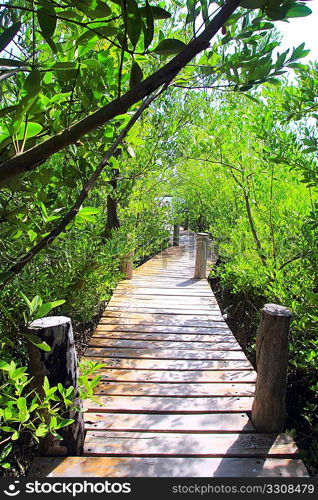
{"x": 23, "y": 411}
{"x": 234, "y": 165}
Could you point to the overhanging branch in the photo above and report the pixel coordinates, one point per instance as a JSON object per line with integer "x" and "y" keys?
{"x": 37, "y": 155}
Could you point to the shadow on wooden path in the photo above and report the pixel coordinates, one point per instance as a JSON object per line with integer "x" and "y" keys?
{"x": 177, "y": 390}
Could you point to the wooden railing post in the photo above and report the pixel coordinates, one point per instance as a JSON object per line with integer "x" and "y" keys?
{"x": 201, "y": 256}
{"x": 59, "y": 365}
{"x": 176, "y": 235}
{"x": 269, "y": 406}
{"x": 126, "y": 266}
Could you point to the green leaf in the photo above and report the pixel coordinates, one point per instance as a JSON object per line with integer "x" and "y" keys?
{"x": 252, "y": 4}
{"x": 169, "y": 46}
{"x": 98, "y": 32}
{"x": 57, "y": 303}
{"x": 5, "y": 452}
{"x": 46, "y": 385}
{"x": 32, "y": 84}
{"x": 4, "y": 365}
{"x": 47, "y": 307}
{"x": 43, "y": 310}
{"x": 21, "y": 403}
{"x": 64, "y": 422}
{"x": 88, "y": 211}
{"x": 30, "y": 130}
{"x": 149, "y": 27}
{"x": 299, "y": 52}
{"x": 298, "y": 10}
{"x": 64, "y": 66}
{"x": 47, "y": 20}
{"x": 157, "y": 12}
{"x": 4, "y": 276}
{"x": 37, "y": 342}
{"x": 136, "y": 75}
{"x": 16, "y": 374}
{"x": 35, "y": 303}
{"x": 42, "y": 430}
{"x": 93, "y": 8}
{"x": 133, "y": 22}
{"x": 5, "y": 428}
{"x": 8, "y": 35}
{"x": 32, "y": 235}
{"x": 26, "y": 300}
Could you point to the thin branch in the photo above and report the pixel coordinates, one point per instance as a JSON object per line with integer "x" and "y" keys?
{"x": 214, "y": 161}
{"x": 293, "y": 259}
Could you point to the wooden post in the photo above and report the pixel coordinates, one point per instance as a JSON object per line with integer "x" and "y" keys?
{"x": 59, "y": 365}
{"x": 176, "y": 235}
{"x": 126, "y": 266}
{"x": 201, "y": 256}
{"x": 269, "y": 407}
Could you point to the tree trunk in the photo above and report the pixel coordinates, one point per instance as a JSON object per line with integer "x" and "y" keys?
{"x": 112, "y": 221}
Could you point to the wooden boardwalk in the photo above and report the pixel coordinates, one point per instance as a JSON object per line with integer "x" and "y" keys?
{"x": 177, "y": 389}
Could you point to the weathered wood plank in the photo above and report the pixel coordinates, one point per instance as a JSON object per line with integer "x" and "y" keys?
{"x": 221, "y": 329}
{"x": 164, "y": 353}
{"x": 174, "y": 364}
{"x": 167, "y": 467}
{"x": 174, "y": 290}
{"x": 145, "y": 422}
{"x": 188, "y": 376}
{"x": 163, "y": 344}
{"x": 120, "y": 404}
{"x": 163, "y": 338}
{"x": 199, "y": 297}
{"x": 174, "y": 389}
{"x": 203, "y": 340}
{"x": 136, "y": 310}
{"x": 174, "y": 444}
{"x": 122, "y": 318}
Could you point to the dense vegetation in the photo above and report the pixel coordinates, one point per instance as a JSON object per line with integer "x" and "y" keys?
{"x": 109, "y": 106}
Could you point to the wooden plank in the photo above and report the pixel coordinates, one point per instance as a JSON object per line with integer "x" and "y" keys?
{"x": 188, "y": 376}
{"x": 160, "y": 318}
{"x": 201, "y": 297}
{"x": 221, "y": 329}
{"x": 145, "y": 404}
{"x": 173, "y": 364}
{"x": 164, "y": 354}
{"x": 174, "y": 389}
{"x": 172, "y": 290}
{"x": 163, "y": 344}
{"x": 166, "y": 467}
{"x": 132, "y": 319}
{"x": 173, "y": 311}
{"x": 178, "y": 303}
{"x": 181, "y": 444}
{"x": 145, "y": 422}
{"x": 166, "y": 337}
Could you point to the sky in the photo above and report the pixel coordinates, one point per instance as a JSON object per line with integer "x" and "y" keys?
{"x": 302, "y": 29}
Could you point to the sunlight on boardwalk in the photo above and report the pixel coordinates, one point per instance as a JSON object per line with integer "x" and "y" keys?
{"x": 177, "y": 389}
